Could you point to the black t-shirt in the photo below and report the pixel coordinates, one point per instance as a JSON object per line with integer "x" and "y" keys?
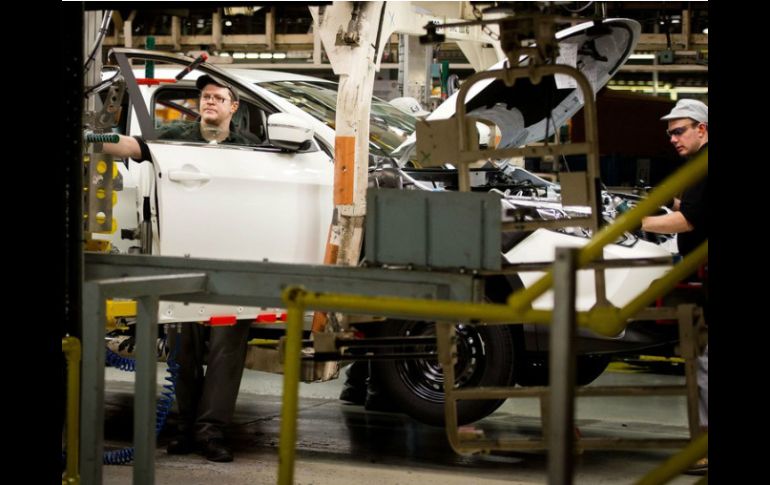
{"x": 187, "y": 131}
{"x": 694, "y": 207}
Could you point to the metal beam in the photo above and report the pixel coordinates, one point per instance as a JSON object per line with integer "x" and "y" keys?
{"x": 561, "y": 364}
{"x": 152, "y": 278}
{"x": 664, "y": 68}
{"x": 260, "y": 284}
{"x": 92, "y": 390}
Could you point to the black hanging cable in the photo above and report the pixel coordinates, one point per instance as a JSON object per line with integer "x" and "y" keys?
{"x": 99, "y": 38}
{"x": 99, "y": 86}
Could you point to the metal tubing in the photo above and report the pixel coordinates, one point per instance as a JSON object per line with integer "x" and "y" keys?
{"x": 446, "y": 339}
{"x": 71, "y": 348}
{"x": 288, "y": 438}
{"x": 604, "y": 264}
{"x": 672, "y": 467}
{"x": 145, "y": 388}
{"x": 261, "y": 283}
{"x": 561, "y": 374}
{"x": 296, "y": 300}
{"x": 414, "y": 307}
{"x": 611, "y": 321}
{"x": 603, "y": 320}
{"x": 689, "y": 351}
{"x": 535, "y": 73}
{"x": 592, "y": 391}
{"x": 92, "y": 390}
{"x": 666, "y": 283}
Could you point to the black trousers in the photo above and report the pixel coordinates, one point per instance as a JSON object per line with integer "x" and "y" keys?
{"x": 207, "y": 401}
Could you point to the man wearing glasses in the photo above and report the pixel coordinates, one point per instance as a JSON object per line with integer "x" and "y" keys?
{"x": 688, "y": 132}
{"x": 206, "y": 402}
{"x": 218, "y": 103}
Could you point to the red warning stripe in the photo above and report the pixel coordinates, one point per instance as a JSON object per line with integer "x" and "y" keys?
{"x": 270, "y": 317}
{"x": 222, "y": 320}
{"x": 153, "y": 81}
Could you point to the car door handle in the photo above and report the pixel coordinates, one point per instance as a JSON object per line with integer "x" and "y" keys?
{"x": 185, "y": 176}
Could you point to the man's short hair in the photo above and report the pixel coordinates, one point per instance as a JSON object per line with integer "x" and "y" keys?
{"x": 689, "y": 108}
{"x": 205, "y": 80}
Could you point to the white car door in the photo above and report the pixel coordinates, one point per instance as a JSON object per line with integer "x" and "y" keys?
{"x": 230, "y": 202}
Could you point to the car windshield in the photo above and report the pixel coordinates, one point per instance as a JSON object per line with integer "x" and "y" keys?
{"x": 388, "y": 129}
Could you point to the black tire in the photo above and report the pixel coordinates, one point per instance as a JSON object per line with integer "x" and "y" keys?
{"x": 416, "y": 386}
{"x": 534, "y": 371}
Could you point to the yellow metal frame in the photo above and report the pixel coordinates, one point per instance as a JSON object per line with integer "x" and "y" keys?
{"x": 71, "y": 348}
{"x": 678, "y": 463}
{"x": 606, "y": 320}
{"x": 291, "y": 375}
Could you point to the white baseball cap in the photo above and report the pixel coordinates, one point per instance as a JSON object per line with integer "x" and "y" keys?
{"x": 689, "y": 108}
{"x": 409, "y": 105}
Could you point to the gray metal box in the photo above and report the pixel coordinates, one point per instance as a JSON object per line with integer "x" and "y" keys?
{"x": 436, "y": 229}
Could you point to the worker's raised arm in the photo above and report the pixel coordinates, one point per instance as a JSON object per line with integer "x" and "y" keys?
{"x": 127, "y": 146}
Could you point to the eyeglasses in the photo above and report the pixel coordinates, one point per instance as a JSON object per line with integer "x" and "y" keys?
{"x": 680, "y": 131}
{"x": 214, "y": 98}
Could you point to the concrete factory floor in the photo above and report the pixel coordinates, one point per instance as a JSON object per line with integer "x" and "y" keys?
{"x": 342, "y": 444}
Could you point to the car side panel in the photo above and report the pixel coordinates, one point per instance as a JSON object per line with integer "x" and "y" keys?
{"x": 219, "y": 201}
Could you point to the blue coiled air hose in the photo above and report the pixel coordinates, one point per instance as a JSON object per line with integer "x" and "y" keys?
{"x": 126, "y": 455}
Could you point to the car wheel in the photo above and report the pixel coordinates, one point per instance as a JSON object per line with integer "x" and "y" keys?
{"x": 485, "y": 358}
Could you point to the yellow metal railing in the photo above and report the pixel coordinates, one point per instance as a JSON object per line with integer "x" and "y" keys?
{"x": 71, "y": 348}
{"x": 678, "y": 463}
{"x": 291, "y": 374}
{"x": 604, "y": 320}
